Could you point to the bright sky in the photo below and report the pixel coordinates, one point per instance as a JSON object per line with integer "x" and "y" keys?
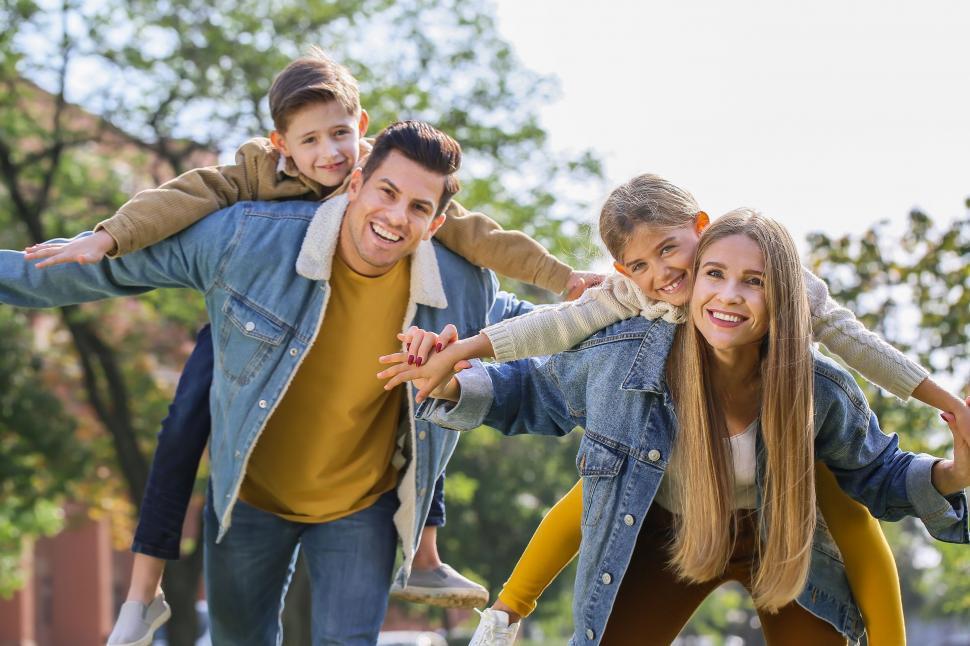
{"x": 828, "y": 115}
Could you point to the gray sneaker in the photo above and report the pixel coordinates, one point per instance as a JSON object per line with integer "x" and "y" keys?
{"x": 137, "y": 622}
{"x": 494, "y": 629}
{"x": 442, "y": 586}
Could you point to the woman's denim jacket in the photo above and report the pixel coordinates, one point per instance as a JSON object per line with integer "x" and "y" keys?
{"x": 613, "y": 386}
{"x": 264, "y": 268}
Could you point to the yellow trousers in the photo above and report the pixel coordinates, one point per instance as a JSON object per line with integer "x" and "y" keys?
{"x": 869, "y": 563}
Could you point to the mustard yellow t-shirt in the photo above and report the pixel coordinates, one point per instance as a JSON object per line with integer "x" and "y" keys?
{"x": 326, "y": 450}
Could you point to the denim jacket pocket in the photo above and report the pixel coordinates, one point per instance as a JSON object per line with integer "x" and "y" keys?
{"x": 598, "y": 466}
{"x": 251, "y": 334}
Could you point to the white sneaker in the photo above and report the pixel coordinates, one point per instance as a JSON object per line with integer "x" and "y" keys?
{"x": 137, "y": 623}
{"x": 494, "y": 629}
{"x": 443, "y": 587}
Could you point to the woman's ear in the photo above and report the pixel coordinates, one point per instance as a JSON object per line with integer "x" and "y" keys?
{"x": 620, "y": 268}
{"x": 701, "y": 220}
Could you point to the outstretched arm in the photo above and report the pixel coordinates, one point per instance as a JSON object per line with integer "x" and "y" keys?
{"x": 866, "y": 352}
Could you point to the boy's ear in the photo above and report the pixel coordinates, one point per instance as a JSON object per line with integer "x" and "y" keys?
{"x": 363, "y": 123}
{"x": 701, "y": 220}
{"x": 356, "y": 181}
{"x": 620, "y": 268}
{"x": 278, "y": 142}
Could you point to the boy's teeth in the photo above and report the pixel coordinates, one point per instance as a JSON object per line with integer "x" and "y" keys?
{"x": 384, "y": 233}
{"x": 671, "y": 287}
{"x": 726, "y": 317}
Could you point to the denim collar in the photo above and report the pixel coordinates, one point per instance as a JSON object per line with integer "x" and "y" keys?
{"x": 320, "y": 244}
{"x": 647, "y": 371}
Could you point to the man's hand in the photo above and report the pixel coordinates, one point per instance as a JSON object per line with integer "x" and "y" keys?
{"x": 953, "y": 476}
{"x": 579, "y": 281}
{"x": 85, "y": 251}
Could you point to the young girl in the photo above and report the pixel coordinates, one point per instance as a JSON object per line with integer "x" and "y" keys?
{"x": 652, "y": 227}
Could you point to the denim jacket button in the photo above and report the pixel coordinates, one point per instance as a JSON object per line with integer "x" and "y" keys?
{"x": 606, "y": 578}
{"x": 653, "y": 455}
{"x": 590, "y": 634}
{"x": 294, "y": 352}
{"x": 629, "y": 520}
{"x": 250, "y": 326}
{"x": 238, "y": 454}
{"x": 262, "y": 403}
{"x": 422, "y": 435}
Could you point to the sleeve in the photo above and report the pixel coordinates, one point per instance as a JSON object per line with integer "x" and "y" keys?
{"x": 155, "y": 214}
{"x": 555, "y": 328}
{"x": 871, "y": 468}
{"x": 483, "y": 242}
{"x": 186, "y": 260}
{"x": 840, "y": 331}
{"x": 514, "y": 398}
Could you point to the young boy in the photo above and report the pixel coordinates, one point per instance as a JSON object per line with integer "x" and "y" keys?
{"x": 317, "y": 142}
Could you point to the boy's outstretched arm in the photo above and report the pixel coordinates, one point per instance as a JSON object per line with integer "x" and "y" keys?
{"x": 483, "y": 242}
{"x": 841, "y": 332}
{"x": 156, "y": 214}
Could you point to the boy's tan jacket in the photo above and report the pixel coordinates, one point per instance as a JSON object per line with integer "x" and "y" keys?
{"x": 259, "y": 174}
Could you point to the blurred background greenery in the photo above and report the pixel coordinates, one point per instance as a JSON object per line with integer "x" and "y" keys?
{"x": 104, "y": 97}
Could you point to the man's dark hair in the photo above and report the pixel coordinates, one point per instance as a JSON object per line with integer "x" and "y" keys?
{"x": 314, "y": 78}
{"x": 423, "y": 144}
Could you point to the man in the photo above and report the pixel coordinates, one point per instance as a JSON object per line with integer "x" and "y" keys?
{"x": 307, "y": 449}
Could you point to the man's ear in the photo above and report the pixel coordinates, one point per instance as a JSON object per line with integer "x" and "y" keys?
{"x": 363, "y": 123}
{"x": 435, "y": 225}
{"x": 279, "y": 143}
{"x": 356, "y": 182}
{"x": 701, "y": 220}
{"x": 620, "y": 268}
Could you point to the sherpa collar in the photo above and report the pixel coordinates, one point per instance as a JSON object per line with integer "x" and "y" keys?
{"x": 320, "y": 244}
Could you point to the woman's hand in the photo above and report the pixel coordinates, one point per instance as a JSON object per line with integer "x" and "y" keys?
{"x": 85, "y": 251}
{"x": 434, "y": 377}
{"x": 953, "y": 476}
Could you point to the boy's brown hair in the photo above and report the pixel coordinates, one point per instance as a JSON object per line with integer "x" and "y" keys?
{"x": 314, "y": 78}
{"x": 421, "y": 143}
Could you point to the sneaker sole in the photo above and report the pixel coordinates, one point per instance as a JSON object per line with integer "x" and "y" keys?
{"x": 147, "y": 639}
{"x": 443, "y": 597}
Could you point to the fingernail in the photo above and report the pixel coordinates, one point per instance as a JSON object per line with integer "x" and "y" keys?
{"x": 407, "y": 347}
{"x": 437, "y": 347}
{"x": 410, "y": 359}
{"x": 943, "y": 417}
{"x": 418, "y": 361}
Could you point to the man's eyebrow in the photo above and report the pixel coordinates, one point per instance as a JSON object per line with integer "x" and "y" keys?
{"x": 391, "y": 184}
{"x": 427, "y": 203}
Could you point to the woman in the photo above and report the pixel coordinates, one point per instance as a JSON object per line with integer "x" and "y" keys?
{"x": 731, "y": 511}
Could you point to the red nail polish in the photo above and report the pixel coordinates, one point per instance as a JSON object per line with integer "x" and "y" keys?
{"x": 410, "y": 359}
{"x": 418, "y": 362}
{"x": 437, "y": 347}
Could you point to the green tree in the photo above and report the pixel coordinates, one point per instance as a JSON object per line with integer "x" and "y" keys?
{"x": 185, "y": 76}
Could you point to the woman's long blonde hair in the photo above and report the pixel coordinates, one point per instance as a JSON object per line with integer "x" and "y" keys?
{"x": 704, "y": 535}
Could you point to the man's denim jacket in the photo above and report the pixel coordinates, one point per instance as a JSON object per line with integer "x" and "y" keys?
{"x": 613, "y": 386}
{"x": 263, "y": 268}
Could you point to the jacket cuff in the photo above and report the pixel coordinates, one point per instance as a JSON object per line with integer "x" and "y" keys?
{"x": 117, "y": 227}
{"x": 473, "y": 404}
{"x": 945, "y": 517}
{"x": 503, "y": 345}
{"x": 553, "y": 275}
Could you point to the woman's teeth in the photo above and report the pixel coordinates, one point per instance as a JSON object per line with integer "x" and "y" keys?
{"x": 724, "y": 316}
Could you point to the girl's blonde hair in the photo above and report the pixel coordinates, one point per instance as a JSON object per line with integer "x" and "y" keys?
{"x": 645, "y": 199}
{"x": 704, "y": 534}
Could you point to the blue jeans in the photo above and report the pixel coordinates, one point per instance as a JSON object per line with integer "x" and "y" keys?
{"x": 181, "y": 442}
{"x": 349, "y": 560}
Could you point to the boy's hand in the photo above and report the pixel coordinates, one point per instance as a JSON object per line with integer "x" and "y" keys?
{"x": 85, "y": 251}
{"x": 579, "y": 281}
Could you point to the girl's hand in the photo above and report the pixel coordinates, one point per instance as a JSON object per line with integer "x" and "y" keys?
{"x": 419, "y": 344}
{"x": 434, "y": 378}
{"x": 85, "y": 251}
